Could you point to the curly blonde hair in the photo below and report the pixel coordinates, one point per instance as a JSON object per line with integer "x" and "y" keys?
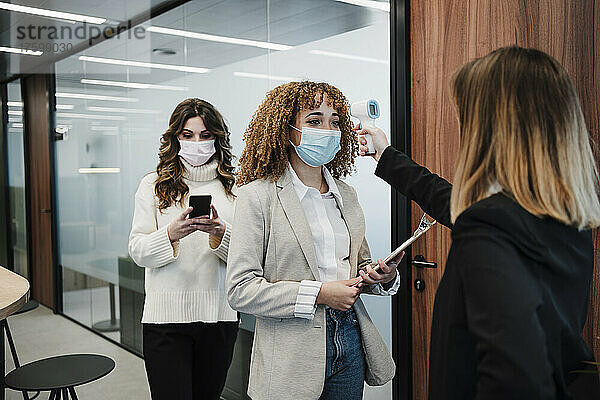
{"x": 169, "y": 186}
{"x": 268, "y": 134}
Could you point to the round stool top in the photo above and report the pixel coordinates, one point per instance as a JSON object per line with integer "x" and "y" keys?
{"x": 59, "y": 372}
{"x": 30, "y": 305}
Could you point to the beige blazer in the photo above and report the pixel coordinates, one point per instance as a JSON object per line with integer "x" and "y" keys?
{"x": 270, "y": 252}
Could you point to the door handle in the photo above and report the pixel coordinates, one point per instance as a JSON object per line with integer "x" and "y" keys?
{"x": 46, "y": 210}
{"x": 419, "y": 262}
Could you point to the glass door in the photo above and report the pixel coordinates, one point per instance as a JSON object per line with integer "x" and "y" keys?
{"x": 16, "y": 180}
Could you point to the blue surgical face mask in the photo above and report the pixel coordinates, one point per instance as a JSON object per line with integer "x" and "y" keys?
{"x": 317, "y": 146}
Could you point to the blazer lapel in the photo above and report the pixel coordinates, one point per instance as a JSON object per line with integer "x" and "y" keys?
{"x": 352, "y": 215}
{"x": 295, "y": 214}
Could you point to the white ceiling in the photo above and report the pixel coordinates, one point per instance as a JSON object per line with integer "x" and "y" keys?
{"x": 290, "y": 22}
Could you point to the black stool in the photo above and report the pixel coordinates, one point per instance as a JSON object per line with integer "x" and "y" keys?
{"x": 59, "y": 374}
{"x": 30, "y": 305}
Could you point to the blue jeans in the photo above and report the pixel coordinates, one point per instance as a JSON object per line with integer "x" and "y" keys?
{"x": 345, "y": 366}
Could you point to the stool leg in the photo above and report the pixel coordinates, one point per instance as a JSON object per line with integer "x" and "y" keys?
{"x": 73, "y": 394}
{"x": 2, "y": 361}
{"x": 11, "y": 344}
{"x": 65, "y": 394}
{"x": 52, "y": 395}
{"x": 13, "y": 352}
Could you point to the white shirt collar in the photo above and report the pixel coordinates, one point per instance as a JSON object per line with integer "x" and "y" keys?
{"x": 302, "y": 189}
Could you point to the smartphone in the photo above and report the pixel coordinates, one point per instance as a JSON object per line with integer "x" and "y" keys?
{"x": 201, "y": 205}
{"x": 424, "y": 225}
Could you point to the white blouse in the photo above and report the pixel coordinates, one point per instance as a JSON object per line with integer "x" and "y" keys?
{"x": 331, "y": 239}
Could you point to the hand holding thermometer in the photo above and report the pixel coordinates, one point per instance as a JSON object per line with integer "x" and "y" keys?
{"x": 367, "y": 112}
{"x": 424, "y": 225}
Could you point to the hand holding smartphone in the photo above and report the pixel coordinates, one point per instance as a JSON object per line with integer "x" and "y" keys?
{"x": 200, "y": 204}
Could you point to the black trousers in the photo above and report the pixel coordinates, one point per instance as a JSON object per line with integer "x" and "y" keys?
{"x": 188, "y": 361}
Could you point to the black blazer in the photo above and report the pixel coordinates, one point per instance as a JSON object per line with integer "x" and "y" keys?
{"x": 513, "y": 300}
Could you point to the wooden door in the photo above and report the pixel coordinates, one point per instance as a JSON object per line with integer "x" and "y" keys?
{"x": 444, "y": 34}
{"x": 38, "y": 168}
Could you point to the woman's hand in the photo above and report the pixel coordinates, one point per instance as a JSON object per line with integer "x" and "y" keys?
{"x": 380, "y": 141}
{"x": 181, "y": 226}
{"x": 340, "y": 295}
{"x": 213, "y": 226}
{"x": 386, "y": 274}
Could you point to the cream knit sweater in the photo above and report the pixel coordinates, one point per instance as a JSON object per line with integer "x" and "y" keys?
{"x": 185, "y": 281}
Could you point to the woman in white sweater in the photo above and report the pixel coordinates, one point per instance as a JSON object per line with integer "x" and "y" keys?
{"x": 189, "y": 330}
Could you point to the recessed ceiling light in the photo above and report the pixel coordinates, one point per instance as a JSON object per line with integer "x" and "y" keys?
{"x": 133, "y": 85}
{"x": 378, "y": 5}
{"x": 215, "y": 38}
{"x": 51, "y": 14}
{"x": 14, "y": 104}
{"x": 183, "y": 68}
{"x": 64, "y": 106}
{"x": 96, "y": 97}
{"x": 15, "y": 112}
{"x": 21, "y": 51}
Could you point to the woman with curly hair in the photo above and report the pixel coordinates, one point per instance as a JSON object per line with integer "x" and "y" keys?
{"x": 189, "y": 330}
{"x": 297, "y": 244}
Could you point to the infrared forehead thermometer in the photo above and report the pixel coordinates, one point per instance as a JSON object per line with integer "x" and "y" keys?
{"x": 367, "y": 112}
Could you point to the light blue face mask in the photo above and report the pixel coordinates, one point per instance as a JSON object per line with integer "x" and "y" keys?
{"x": 317, "y": 146}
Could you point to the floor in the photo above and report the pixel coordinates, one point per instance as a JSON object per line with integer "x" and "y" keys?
{"x": 90, "y": 306}
{"x": 40, "y": 333}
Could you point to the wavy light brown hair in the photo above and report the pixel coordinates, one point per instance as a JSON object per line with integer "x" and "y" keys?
{"x": 521, "y": 126}
{"x": 268, "y": 134}
{"x": 169, "y": 186}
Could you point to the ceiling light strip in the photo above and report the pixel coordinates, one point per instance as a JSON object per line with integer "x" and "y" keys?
{"x": 99, "y": 170}
{"x": 377, "y": 5}
{"x": 123, "y": 110}
{"x": 24, "y": 52}
{"x": 51, "y": 14}
{"x": 348, "y": 56}
{"x": 182, "y": 68}
{"x": 90, "y": 116}
{"x": 133, "y": 85}
{"x": 215, "y": 38}
{"x": 265, "y": 76}
{"x": 85, "y": 96}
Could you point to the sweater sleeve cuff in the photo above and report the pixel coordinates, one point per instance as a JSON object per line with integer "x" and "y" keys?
{"x": 306, "y": 299}
{"x": 379, "y": 290}
{"x": 161, "y": 247}
{"x": 223, "y": 248}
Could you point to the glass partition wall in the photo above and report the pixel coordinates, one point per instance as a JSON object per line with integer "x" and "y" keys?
{"x": 16, "y": 179}
{"x": 114, "y": 101}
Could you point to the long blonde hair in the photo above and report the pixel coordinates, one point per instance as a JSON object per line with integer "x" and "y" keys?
{"x": 521, "y": 127}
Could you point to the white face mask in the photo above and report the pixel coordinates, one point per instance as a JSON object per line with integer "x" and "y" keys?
{"x": 196, "y": 153}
